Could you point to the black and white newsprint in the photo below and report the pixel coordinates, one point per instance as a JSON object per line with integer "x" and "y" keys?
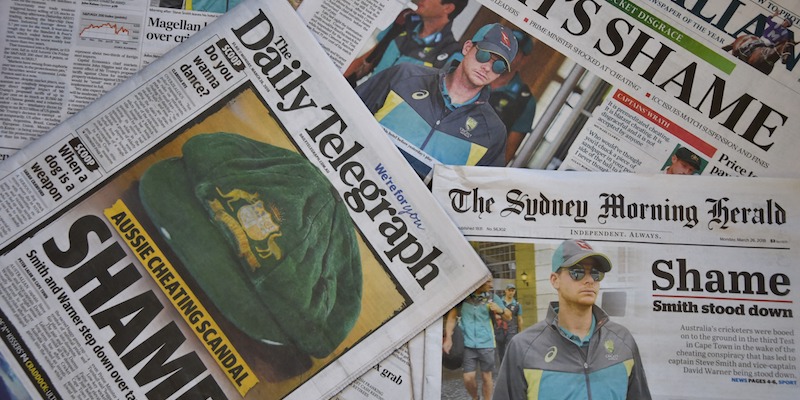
{"x": 228, "y": 223}
{"x": 702, "y": 274}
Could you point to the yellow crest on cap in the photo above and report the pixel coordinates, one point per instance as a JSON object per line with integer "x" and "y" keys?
{"x": 253, "y": 223}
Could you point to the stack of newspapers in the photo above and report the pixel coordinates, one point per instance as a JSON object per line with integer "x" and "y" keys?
{"x": 196, "y": 202}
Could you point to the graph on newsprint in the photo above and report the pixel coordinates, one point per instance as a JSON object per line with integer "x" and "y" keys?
{"x": 108, "y": 31}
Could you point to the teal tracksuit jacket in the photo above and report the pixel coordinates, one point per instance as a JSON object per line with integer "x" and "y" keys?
{"x": 541, "y": 363}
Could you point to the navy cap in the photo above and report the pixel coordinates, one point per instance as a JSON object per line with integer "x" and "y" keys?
{"x": 573, "y": 251}
{"x": 499, "y": 40}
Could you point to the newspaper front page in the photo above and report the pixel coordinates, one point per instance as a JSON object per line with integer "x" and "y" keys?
{"x": 701, "y": 270}
{"x": 109, "y": 43}
{"x": 224, "y": 224}
{"x": 622, "y": 85}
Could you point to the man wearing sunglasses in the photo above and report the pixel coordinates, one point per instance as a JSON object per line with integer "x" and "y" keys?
{"x": 474, "y": 317}
{"x": 443, "y": 115}
{"x": 576, "y": 352}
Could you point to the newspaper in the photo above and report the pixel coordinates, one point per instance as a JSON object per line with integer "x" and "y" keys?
{"x": 701, "y": 267}
{"x": 701, "y": 97}
{"x": 57, "y": 57}
{"x": 118, "y": 41}
{"x": 653, "y": 75}
{"x": 144, "y": 256}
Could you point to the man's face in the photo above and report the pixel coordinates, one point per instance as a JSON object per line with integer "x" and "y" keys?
{"x": 510, "y": 292}
{"x": 432, "y": 8}
{"x": 582, "y": 292}
{"x": 680, "y": 167}
{"x": 477, "y": 73}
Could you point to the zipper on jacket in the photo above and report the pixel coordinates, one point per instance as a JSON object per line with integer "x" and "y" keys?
{"x": 445, "y": 113}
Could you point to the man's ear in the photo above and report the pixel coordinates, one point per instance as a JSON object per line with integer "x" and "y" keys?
{"x": 449, "y": 8}
{"x": 554, "y": 280}
{"x": 468, "y": 45}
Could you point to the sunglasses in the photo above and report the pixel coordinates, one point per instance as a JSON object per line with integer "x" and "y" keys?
{"x": 483, "y": 56}
{"x": 577, "y": 274}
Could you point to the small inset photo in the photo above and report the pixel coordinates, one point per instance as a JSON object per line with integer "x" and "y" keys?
{"x": 683, "y": 161}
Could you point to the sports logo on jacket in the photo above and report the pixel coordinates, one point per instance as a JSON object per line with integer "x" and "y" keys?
{"x": 551, "y": 354}
{"x": 469, "y": 125}
{"x": 609, "y": 345}
{"x": 420, "y": 94}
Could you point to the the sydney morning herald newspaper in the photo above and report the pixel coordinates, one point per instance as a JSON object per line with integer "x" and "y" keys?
{"x": 227, "y": 223}
{"x": 702, "y": 268}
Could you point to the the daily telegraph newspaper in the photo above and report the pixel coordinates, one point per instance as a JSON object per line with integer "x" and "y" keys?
{"x": 717, "y": 78}
{"x": 227, "y": 223}
{"x": 702, "y": 269}
{"x": 56, "y": 57}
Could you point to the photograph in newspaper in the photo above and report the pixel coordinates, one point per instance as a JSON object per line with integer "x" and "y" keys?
{"x": 431, "y": 38}
{"x": 12, "y": 385}
{"x": 226, "y": 223}
{"x": 687, "y": 279}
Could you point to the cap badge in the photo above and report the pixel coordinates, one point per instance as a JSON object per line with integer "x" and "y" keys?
{"x": 252, "y": 223}
{"x": 583, "y": 245}
{"x": 505, "y": 39}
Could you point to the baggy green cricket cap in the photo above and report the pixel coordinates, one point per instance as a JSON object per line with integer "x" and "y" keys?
{"x": 264, "y": 235}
